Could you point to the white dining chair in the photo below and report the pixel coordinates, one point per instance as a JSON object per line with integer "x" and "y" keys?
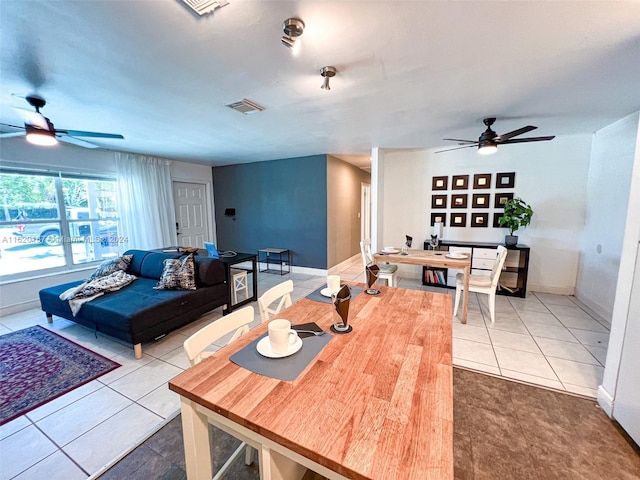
{"x": 486, "y": 284}
{"x": 387, "y": 270}
{"x": 237, "y": 322}
{"x": 281, "y": 292}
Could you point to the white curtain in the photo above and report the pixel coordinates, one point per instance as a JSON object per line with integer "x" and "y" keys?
{"x": 145, "y": 199}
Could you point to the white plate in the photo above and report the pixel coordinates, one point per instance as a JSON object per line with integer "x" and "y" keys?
{"x": 325, "y": 292}
{"x": 390, "y": 250}
{"x": 264, "y": 348}
{"x": 455, "y": 255}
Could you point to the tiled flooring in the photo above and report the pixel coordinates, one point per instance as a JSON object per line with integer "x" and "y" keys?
{"x": 549, "y": 340}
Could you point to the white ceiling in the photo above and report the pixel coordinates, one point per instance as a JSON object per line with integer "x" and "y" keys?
{"x": 409, "y": 72}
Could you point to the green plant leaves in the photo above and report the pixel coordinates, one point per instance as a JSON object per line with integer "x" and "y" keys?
{"x": 517, "y": 214}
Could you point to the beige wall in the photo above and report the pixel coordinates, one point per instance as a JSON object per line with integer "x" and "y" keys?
{"x": 343, "y": 209}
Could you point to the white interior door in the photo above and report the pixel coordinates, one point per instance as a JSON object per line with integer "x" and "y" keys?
{"x": 192, "y": 225}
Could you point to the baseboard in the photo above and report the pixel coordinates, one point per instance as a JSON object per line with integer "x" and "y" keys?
{"x": 605, "y": 400}
{"x": 595, "y": 308}
{"x": 342, "y": 265}
{"x": 309, "y": 271}
{"x": 554, "y": 289}
{"x": 19, "y": 307}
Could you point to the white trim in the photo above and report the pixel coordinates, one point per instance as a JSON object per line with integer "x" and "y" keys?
{"x": 605, "y": 400}
{"x": 555, "y": 289}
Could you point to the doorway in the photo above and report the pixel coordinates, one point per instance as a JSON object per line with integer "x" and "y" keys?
{"x": 192, "y": 226}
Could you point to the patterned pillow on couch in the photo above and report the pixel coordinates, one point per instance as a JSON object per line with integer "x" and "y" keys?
{"x": 178, "y": 274}
{"x": 111, "y": 266}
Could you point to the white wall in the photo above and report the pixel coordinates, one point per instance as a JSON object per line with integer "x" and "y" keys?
{"x": 551, "y": 176}
{"x": 621, "y": 317}
{"x": 22, "y": 295}
{"x": 608, "y": 185}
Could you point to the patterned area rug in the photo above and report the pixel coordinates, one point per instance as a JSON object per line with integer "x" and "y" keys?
{"x": 37, "y": 365}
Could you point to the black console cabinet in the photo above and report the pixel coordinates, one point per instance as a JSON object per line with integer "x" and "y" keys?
{"x": 513, "y": 279}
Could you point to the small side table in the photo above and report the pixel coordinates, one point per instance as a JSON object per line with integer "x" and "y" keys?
{"x": 275, "y": 256}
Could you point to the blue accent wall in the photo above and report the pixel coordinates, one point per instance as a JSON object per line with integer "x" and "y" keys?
{"x": 279, "y": 204}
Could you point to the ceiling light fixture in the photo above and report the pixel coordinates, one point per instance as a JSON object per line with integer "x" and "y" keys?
{"x": 487, "y": 147}
{"x": 292, "y": 28}
{"x": 38, "y": 136}
{"x": 327, "y": 73}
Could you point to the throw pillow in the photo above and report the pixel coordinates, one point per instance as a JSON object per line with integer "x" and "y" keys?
{"x": 178, "y": 274}
{"x": 112, "y": 265}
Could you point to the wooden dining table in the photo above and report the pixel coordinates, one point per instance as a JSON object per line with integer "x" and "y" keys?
{"x": 376, "y": 403}
{"x": 433, "y": 258}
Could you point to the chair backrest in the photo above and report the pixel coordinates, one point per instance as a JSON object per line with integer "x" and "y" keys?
{"x": 237, "y": 321}
{"x": 282, "y": 292}
{"x": 365, "y": 252}
{"x": 498, "y": 264}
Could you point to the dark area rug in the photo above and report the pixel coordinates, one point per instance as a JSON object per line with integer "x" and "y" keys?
{"x": 37, "y": 365}
{"x": 503, "y": 430}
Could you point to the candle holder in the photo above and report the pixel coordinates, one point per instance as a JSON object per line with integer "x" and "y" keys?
{"x": 372, "y": 272}
{"x": 341, "y": 301}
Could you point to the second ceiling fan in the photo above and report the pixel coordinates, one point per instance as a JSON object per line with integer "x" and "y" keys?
{"x": 488, "y": 142}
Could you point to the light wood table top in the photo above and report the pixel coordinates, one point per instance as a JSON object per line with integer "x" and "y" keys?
{"x": 376, "y": 403}
{"x": 434, "y": 258}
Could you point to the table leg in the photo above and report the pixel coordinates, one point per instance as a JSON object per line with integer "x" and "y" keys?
{"x": 197, "y": 443}
{"x": 254, "y": 263}
{"x": 275, "y": 466}
{"x": 465, "y": 295}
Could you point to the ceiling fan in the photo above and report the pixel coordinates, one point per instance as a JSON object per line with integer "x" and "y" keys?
{"x": 488, "y": 142}
{"x": 40, "y": 131}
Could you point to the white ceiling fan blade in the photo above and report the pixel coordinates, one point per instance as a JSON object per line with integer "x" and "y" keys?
{"x": 76, "y": 141}
{"x": 32, "y": 118}
{"x": 12, "y": 134}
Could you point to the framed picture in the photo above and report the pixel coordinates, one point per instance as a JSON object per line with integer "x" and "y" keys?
{"x": 482, "y": 180}
{"x": 506, "y": 180}
{"x": 501, "y": 199}
{"x": 438, "y": 217}
{"x": 460, "y": 182}
{"x": 438, "y": 201}
{"x": 459, "y": 200}
{"x": 479, "y": 219}
{"x": 496, "y": 220}
{"x": 439, "y": 183}
{"x": 480, "y": 200}
{"x": 458, "y": 219}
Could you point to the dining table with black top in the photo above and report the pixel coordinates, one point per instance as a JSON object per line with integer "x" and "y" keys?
{"x": 375, "y": 403}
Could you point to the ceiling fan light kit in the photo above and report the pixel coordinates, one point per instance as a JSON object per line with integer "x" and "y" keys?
{"x": 292, "y": 28}
{"x": 37, "y": 136}
{"x": 489, "y": 140}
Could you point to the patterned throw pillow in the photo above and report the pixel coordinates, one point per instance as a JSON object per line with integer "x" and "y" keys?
{"x": 112, "y": 265}
{"x": 178, "y": 274}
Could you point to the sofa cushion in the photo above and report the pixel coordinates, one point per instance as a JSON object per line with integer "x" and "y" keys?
{"x": 136, "y": 262}
{"x": 209, "y": 271}
{"x": 111, "y": 266}
{"x": 153, "y": 264}
{"x": 178, "y": 274}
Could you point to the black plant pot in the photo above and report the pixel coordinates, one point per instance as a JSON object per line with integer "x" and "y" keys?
{"x": 510, "y": 240}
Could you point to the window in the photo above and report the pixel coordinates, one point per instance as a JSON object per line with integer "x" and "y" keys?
{"x": 55, "y": 222}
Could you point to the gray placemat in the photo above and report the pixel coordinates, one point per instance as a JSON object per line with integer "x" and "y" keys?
{"x": 287, "y": 368}
{"x": 318, "y": 297}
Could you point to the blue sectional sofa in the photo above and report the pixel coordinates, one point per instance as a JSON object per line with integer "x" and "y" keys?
{"x": 137, "y": 313}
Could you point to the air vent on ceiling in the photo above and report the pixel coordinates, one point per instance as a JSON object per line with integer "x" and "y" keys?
{"x": 245, "y": 106}
{"x": 202, "y": 7}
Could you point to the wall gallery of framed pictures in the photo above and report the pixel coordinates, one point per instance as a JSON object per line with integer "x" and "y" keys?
{"x": 471, "y": 200}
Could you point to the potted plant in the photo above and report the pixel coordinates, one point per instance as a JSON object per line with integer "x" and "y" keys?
{"x": 517, "y": 214}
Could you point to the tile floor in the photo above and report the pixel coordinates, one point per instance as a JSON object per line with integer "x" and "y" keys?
{"x": 548, "y": 340}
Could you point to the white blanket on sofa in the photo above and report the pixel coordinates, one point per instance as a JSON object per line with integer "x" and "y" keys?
{"x": 87, "y": 291}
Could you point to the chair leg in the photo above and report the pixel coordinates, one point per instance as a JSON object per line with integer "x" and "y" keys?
{"x": 457, "y": 301}
{"x": 492, "y": 306}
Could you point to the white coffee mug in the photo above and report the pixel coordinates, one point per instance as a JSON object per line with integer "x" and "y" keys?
{"x": 333, "y": 283}
{"x": 281, "y": 336}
